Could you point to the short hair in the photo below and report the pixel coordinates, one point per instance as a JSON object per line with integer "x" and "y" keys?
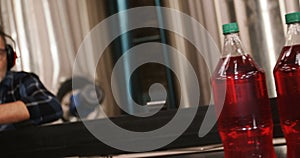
{"x": 3, "y": 35}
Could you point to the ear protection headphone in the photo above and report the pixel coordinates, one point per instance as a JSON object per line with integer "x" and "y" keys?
{"x": 11, "y": 56}
{"x": 10, "y": 53}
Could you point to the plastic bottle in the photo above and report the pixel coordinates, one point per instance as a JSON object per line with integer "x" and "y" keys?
{"x": 245, "y": 122}
{"x": 287, "y": 79}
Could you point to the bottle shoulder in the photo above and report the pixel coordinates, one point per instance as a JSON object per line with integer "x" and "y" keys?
{"x": 289, "y": 59}
{"x": 237, "y": 67}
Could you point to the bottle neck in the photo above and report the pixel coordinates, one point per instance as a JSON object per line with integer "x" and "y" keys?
{"x": 293, "y": 34}
{"x": 233, "y": 45}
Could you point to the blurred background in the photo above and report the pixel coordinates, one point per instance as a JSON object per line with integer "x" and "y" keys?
{"x": 48, "y": 34}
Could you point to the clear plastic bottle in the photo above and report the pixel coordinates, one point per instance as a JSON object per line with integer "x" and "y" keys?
{"x": 287, "y": 79}
{"x": 245, "y": 123}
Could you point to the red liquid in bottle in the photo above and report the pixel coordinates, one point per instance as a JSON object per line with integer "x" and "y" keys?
{"x": 245, "y": 123}
{"x": 287, "y": 77}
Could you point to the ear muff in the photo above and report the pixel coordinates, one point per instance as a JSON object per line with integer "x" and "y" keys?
{"x": 11, "y": 56}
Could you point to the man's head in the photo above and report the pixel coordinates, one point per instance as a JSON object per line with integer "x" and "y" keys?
{"x": 3, "y": 55}
{"x": 7, "y": 54}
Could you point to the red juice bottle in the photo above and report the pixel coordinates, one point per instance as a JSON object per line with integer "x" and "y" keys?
{"x": 245, "y": 122}
{"x": 287, "y": 79}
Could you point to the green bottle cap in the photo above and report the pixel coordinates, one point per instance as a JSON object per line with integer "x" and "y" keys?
{"x": 292, "y": 17}
{"x": 230, "y": 28}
